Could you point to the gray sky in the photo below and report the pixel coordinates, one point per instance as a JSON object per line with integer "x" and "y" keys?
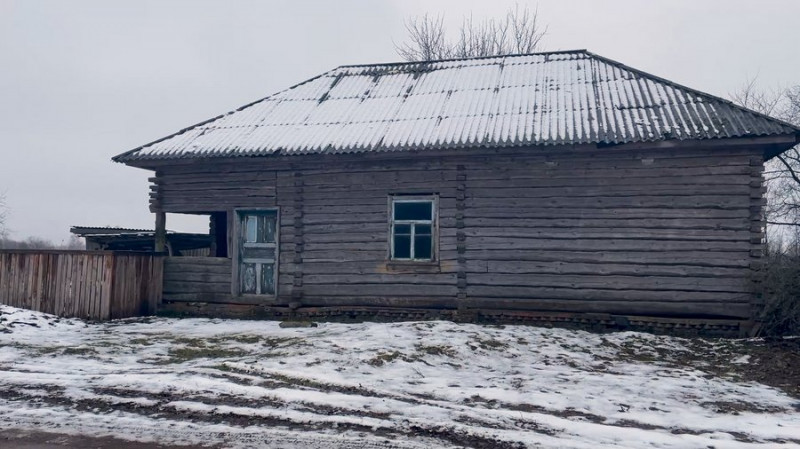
{"x": 81, "y": 81}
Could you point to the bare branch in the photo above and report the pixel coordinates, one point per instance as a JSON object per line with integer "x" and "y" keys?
{"x": 426, "y": 40}
{"x": 782, "y": 223}
{"x": 751, "y": 97}
{"x": 527, "y": 33}
{"x": 782, "y": 175}
{"x": 789, "y": 168}
{"x": 518, "y": 32}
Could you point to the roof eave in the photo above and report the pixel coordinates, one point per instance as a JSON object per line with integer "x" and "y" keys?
{"x": 770, "y": 145}
{"x": 791, "y": 141}
{"x": 145, "y": 164}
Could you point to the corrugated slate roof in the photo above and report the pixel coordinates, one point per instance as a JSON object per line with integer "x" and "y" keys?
{"x": 94, "y": 231}
{"x": 554, "y": 98}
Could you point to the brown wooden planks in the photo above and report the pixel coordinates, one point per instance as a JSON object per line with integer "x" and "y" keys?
{"x": 193, "y": 278}
{"x": 85, "y": 284}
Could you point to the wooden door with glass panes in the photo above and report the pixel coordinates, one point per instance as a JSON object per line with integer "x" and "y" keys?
{"x": 258, "y": 252}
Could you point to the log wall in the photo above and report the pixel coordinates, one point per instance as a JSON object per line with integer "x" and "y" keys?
{"x": 96, "y": 285}
{"x": 197, "y": 279}
{"x": 640, "y": 232}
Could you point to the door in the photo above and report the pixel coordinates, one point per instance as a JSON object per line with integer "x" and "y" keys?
{"x": 258, "y": 252}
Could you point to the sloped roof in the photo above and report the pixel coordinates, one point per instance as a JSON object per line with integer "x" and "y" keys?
{"x": 568, "y": 97}
{"x": 83, "y": 231}
{"x": 92, "y": 231}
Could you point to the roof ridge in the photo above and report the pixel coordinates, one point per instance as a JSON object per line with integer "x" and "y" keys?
{"x": 692, "y": 90}
{"x": 470, "y": 58}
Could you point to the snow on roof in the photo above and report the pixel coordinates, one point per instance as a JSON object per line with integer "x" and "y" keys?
{"x": 568, "y": 97}
{"x": 96, "y": 231}
{"x": 106, "y": 230}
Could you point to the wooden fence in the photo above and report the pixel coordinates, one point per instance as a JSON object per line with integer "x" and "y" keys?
{"x": 97, "y": 285}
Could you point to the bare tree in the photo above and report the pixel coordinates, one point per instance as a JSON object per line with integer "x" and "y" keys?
{"x": 782, "y": 174}
{"x": 3, "y": 215}
{"x": 74, "y": 243}
{"x": 426, "y": 40}
{"x": 33, "y": 242}
{"x": 519, "y": 32}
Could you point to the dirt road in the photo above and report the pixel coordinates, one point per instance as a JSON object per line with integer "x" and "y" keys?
{"x": 19, "y": 439}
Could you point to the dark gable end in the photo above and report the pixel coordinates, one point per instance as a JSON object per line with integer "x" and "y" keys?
{"x": 559, "y": 98}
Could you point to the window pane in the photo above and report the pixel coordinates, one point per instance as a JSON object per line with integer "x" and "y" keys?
{"x": 402, "y": 247}
{"x": 268, "y": 279}
{"x": 402, "y": 229}
{"x": 422, "y": 247}
{"x": 251, "y": 228}
{"x": 422, "y": 229}
{"x": 267, "y": 230}
{"x": 248, "y": 276}
{"x": 417, "y": 210}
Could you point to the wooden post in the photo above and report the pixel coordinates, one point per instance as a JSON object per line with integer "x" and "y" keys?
{"x": 212, "y": 231}
{"x": 161, "y": 232}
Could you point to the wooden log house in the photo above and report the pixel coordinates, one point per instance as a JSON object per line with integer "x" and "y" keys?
{"x": 552, "y": 187}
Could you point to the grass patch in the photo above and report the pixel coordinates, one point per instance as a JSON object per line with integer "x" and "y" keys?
{"x": 197, "y": 348}
{"x": 281, "y": 341}
{"x": 271, "y": 342}
{"x": 56, "y": 350}
{"x": 737, "y": 407}
{"x": 193, "y": 342}
{"x": 79, "y": 350}
{"x": 490, "y": 344}
{"x": 437, "y": 350}
{"x": 246, "y": 339}
{"x": 180, "y": 355}
{"x": 223, "y": 347}
{"x": 383, "y": 358}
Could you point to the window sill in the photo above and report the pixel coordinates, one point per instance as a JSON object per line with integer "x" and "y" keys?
{"x": 413, "y": 266}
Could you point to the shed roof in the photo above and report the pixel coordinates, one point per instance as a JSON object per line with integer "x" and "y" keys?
{"x": 84, "y": 231}
{"x": 98, "y": 231}
{"x": 568, "y": 97}
{"x": 128, "y": 239}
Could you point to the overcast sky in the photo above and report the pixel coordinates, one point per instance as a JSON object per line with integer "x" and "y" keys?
{"x": 82, "y": 81}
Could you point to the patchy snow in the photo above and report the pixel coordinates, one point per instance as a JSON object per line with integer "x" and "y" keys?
{"x": 398, "y": 385}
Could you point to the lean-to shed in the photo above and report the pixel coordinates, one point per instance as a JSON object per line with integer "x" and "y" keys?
{"x": 105, "y": 238}
{"x": 556, "y": 186}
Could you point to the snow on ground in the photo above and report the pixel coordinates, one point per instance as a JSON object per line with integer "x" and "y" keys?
{"x": 231, "y": 383}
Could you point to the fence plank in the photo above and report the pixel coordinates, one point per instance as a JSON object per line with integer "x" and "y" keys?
{"x": 90, "y": 312}
{"x": 105, "y": 304}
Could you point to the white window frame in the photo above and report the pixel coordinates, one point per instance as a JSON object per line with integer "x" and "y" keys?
{"x": 433, "y": 222}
